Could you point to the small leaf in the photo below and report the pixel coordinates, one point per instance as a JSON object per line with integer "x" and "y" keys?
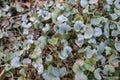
{"x": 23, "y": 72}
{"x": 113, "y": 59}
{"x": 62, "y": 71}
{"x": 89, "y": 67}
{"x": 64, "y": 28}
{"x": 80, "y": 40}
{"x": 15, "y": 62}
{"x": 93, "y": 1}
{"x": 56, "y": 72}
{"x": 97, "y": 32}
{"x": 101, "y": 48}
{"x": 83, "y": 3}
{"x": 107, "y": 50}
{"x": 48, "y": 76}
{"x": 117, "y": 46}
{"x": 39, "y": 67}
{"x": 62, "y": 18}
{"x": 88, "y": 32}
{"x": 8, "y": 67}
{"x": 118, "y": 25}
{"x": 117, "y": 11}
{"x": 117, "y": 4}
{"x": 96, "y": 21}
{"x": 108, "y": 69}
{"x": 1, "y": 55}
{"x": 49, "y": 58}
{"x": 76, "y": 68}
{"x": 109, "y": 1}
{"x": 19, "y": 8}
{"x": 80, "y": 76}
{"x": 26, "y": 25}
{"x": 106, "y": 30}
{"x": 1, "y": 34}
{"x": 46, "y": 28}
{"x": 59, "y": 6}
{"x": 53, "y": 41}
{"x": 97, "y": 74}
{"x": 24, "y": 18}
{"x": 9, "y": 57}
{"x": 89, "y": 64}
{"x": 114, "y": 16}
{"x": 115, "y": 33}
{"x": 78, "y": 26}
{"x": 26, "y": 61}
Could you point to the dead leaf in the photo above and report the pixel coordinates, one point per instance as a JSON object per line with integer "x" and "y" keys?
{"x": 40, "y": 3}
{"x": 2, "y": 73}
{"x": 10, "y": 34}
{"x": 115, "y": 65}
{"x": 61, "y": 1}
{"x": 27, "y": 4}
{"x": 5, "y": 23}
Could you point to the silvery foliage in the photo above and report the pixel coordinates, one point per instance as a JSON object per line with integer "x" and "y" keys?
{"x": 26, "y": 61}
{"x": 54, "y": 73}
{"x": 39, "y": 67}
{"x": 80, "y": 40}
{"x": 59, "y": 6}
{"x": 109, "y": 1}
{"x": 65, "y": 53}
{"x": 62, "y": 18}
{"x": 83, "y": 3}
{"x": 44, "y": 14}
{"x": 97, "y": 32}
{"x": 89, "y": 31}
{"x": 63, "y": 28}
{"x": 15, "y": 62}
{"x": 25, "y": 22}
{"x": 78, "y": 26}
{"x": 117, "y": 4}
{"x": 80, "y": 76}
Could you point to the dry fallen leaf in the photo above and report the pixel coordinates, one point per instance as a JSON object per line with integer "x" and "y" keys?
{"x": 27, "y": 4}
{"x": 5, "y": 23}
{"x": 115, "y": 65}
{"x": 40, "y": 3}
{"x": 61, "y": 1}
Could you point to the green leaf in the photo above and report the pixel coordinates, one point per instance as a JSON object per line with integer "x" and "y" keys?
{"x": 113, "y": 59}
{"x": 89, "y": 64}
{"x": 62, "y": 71}
{"x": 89, "y": 67}
{"x": 21, "y": 78}
{"x": 101, "y": 48}
{"x": 108, "y": 68}
{"x": 96, "y": 21}
{"x": 1, "y": 55}
{"x": 9, "y": 57}
{"x": 56, "y": 72}
{"x": 19, "y": 8}
{"x": 80, "y": 76}
{"x": 88, "y": 32}
{"x": 1, "y": 34}
{"x": 76, "y": 68}
{"x": 117, "y": 46}
{"x": 53, "y": 41}
{"x": 23, "y": 72}
{"x": 97, "y": 74}
{"x": 117, "y": 11}
{"x": 8, "y": 67}
{"x": 106, "y": 30}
